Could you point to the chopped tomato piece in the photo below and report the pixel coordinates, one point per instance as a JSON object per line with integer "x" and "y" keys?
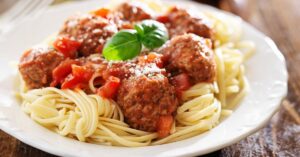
{"x": 70, "y": 82}
{"x": 157, "y": 58}
{"x": 79, "y": 78}
{"x": 74, "y": 83}
{"x": 164, "y": 125}
{"x": 62, "y": 71}
{"x": 181, "y": 83}
{"x": 163, "y": 19}
{"x": 67, "y": 46}
{"x": 126, "y": 25}
{"x": 152, "y": 58}
{"x": 110, "y": 88}
{"x": 70, "y": 75}
{"x": 142, "y": 59}
{"x": 82, "y": 72}
{"x": 103, "y": 12}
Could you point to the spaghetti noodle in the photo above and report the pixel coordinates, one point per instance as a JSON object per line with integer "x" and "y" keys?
{"x": 94, "y": 119}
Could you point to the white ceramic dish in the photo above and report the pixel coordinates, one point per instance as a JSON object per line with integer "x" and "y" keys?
{"x": 266, "y": 72}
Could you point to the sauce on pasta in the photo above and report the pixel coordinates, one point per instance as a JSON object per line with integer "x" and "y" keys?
{"x": 165, "y": 94}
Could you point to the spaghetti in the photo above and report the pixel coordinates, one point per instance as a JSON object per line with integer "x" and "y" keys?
{"x": 93, "y": 119}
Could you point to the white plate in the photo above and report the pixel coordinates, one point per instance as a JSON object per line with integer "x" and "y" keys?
{"x": 266, "y": 72}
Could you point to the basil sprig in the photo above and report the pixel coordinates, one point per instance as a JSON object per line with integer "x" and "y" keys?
{"x": 153, "y": 34}
{"x": 126, "y": 44}
{"x": 122, "y": 46}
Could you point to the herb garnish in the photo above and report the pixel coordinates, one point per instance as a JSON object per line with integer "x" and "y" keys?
{"x": 126, "y": 44}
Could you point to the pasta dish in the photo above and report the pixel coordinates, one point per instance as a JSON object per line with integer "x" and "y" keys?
{"x": 136, "y": 74}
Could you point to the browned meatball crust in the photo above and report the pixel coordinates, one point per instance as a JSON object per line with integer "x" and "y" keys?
{"x": 144, "y": 98}
{"x": 128, "y": 13}
{"x": 91, "y": 30}
{"x": 180, "y": 21}
{"x": 36, "y": 66}
{"x": 133, "y": 12}
{"x": 192, "y": 55}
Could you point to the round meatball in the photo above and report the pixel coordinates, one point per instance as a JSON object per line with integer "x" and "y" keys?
{"x": 134, "y": 11}
{"x": 36, "y": 66}
{"x": 191, "y": 54}
{"x": 128, "y": 13}
{"x": 145, "y": 98}
{"x": 181, "y": 21}
{"x": 91, "y": 30}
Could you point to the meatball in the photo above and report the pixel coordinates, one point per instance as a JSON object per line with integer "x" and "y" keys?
{"x": 145, "y": 98}
{"x": 133, "y": 12}
{"x": 128, "y": 13}
{"x": 181, "y": 21}
{"x": 91, "y": 30}
{"x": 191, "y": 54}
{"x": 36, "y": 66}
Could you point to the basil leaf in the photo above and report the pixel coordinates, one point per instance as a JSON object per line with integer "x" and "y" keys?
{"x": 140, "y": 30}
{"x": 153, "y": 34}
{"x": 127, "y": 44}
{"x": 122, "y": 46}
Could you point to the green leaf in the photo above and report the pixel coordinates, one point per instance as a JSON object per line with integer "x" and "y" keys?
{"x": 140, "y": 30}
{"x": 153, "y": 34}
{"x": 123, "y": 45}
{"x": 127, "y": 44}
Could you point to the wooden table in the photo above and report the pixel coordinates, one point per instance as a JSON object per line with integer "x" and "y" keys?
{"x": 279, "y": 19}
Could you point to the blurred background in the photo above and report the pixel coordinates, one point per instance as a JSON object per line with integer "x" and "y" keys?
{"x": 279, "y": 19}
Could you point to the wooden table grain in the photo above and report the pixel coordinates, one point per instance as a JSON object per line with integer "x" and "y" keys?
{"x": 279, "y": 19}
